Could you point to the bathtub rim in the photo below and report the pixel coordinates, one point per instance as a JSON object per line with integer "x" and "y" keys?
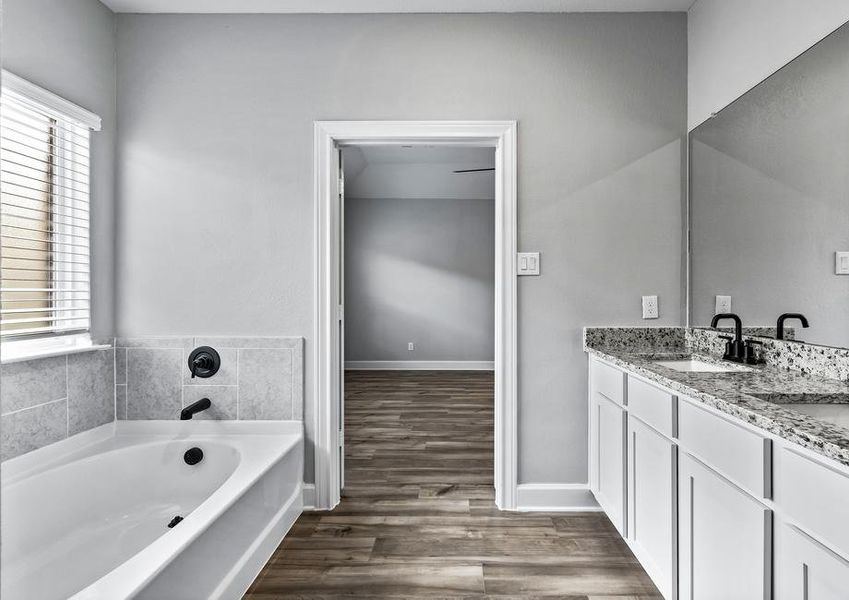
{"x": 131, "y": 576}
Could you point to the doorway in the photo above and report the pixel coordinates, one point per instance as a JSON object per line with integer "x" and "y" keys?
{"x": 418, "y": 294}
{"x": 328, "y": 434}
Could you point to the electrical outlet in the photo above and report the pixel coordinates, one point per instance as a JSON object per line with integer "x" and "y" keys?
{"x": 650, "y": 310}
{"x": 723, "y": 305}
{"x": 411, "y": 346}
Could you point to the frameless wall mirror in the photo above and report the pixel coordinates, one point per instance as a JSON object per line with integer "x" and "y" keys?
{"x": 769, "y": 199}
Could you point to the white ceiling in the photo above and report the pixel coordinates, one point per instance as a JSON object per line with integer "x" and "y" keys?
{"x": 393, "y": 6}
{"x": 444, "y": 155}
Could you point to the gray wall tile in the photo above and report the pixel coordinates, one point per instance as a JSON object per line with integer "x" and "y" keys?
{"x": 120, "y": 365}
{"x": 154, "y": 383}
{"x": 223, "y": 398}
{"x": 259, "y": 378}
{"x": 33, "y": 428}
{"x": 298, "y": 379}
{"x": 155, "y": 342}
{"x": 218, "y": 342}
{"x": 226, "y": 375}
{"x": 32, "y": 382}
{"x": 265, "y": 384}
{"x": 121, "y": 402}
{"x": 91, "y": 390}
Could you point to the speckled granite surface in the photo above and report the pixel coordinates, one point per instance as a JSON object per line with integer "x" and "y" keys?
{"x": 755, "y": 396}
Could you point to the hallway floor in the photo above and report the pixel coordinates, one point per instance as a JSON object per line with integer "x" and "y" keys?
{"x": 417, "y": 518}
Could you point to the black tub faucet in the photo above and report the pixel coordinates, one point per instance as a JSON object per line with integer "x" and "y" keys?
{"x": 779, "y": 327}
{"x": 194, "y": 408}
{"x": 735, "y": 348}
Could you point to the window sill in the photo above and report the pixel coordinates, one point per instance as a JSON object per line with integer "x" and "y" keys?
{"x": 23, "y": 350}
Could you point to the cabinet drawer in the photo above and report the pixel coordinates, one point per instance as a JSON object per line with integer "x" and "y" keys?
{"x": 741, "y": 455}
{"x": 653, "y": 406}
{"x": 608, "y": 381}
{"x": 815, "y": 497}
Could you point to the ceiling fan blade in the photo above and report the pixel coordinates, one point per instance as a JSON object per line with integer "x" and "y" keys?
{"x": 475, "y": 170}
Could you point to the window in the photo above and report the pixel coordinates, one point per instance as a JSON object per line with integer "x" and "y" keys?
{"x": 44, "y": 213}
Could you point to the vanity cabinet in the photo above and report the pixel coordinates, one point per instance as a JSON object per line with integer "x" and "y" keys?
{"x": 608, "y": 433}
{"x": 724, "y": 538}
{"x": 652, "y": 502}
{"x": 808, "y": 570}
{"x": 715, "y": 508}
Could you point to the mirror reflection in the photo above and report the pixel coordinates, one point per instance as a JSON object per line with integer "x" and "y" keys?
{"x": 769, "y": 202}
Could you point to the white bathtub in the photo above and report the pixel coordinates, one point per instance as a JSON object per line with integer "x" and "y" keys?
{"x": 88, "y": 517}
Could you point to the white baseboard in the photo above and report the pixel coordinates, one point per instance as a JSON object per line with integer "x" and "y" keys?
{"x": 309, "y": 496}
{"x": 420, "y": 365}
{"x": 555, "y": 497}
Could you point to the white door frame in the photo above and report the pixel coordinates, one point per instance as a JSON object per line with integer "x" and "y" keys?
{"x": 329, "y": 135}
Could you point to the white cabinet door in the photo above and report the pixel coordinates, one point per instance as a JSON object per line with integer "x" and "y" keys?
{"x": 652, "y": 503}
{"x": 808, "y": 570}
{"x": 725, "y": 538}
{"x": 608, "y": 423}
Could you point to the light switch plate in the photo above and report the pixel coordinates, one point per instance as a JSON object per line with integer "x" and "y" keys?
{"x": 650, "y": 309}
{"x": 528, "y": 263}
{"x": 841, "y": 263}
{"x": 723, "y": 305}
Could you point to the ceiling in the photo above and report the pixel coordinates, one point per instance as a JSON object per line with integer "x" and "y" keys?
{"x": 393, "y": 6}
{"x": 459, "y": 155}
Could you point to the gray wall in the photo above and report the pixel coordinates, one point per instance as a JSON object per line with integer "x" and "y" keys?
{"x": 423, "y": 271}
{"x": 215, "y": 217}
{"x": 68, "y": 47}
{"x": 770, "y": 198}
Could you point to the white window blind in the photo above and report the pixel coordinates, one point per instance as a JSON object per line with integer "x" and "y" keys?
{"x": 45, "y": 285}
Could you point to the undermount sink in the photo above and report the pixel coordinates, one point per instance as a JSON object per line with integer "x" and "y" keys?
{"x": 836, "y": 414}
{"x": 695, "y": 365}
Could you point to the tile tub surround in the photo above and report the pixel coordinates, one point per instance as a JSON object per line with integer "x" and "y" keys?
{"x": 260, "y": 378}
{"x": 734, "y": 393}
{"x": 46, "y": 400}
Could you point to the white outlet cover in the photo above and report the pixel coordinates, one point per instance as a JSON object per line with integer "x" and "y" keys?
{"x": 411, "y": 346}
{"x": 723, "y": 305}
{"x": 650, "y": 308}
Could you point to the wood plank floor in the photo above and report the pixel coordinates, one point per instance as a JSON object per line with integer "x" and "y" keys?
{"x": 417, "y": 518}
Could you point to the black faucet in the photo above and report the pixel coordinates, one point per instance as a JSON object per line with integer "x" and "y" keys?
{"x": 779, "y": 328}
{"x": 194, "y": 408}
{"x": 735, "y": 347}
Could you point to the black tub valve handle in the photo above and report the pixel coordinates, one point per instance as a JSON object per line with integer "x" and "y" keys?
{"x": 204, "y": 361}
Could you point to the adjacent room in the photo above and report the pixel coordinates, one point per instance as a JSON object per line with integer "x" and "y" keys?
{"x": 428, "y": 299}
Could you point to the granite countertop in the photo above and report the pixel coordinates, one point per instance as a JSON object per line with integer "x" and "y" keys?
{"x": 743, "y": 394}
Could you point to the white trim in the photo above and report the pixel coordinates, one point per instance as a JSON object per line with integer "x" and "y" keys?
{"x": 328, "y": 135}
{"x": 420, "y": 365}
{"x": 309, "y": 496}
{"x": 12, "y": 351}
{"x": 556, "y": 497}
{"x": 48, "y": 101}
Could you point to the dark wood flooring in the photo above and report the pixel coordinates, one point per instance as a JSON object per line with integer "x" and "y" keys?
{"x": 417, "y": 518}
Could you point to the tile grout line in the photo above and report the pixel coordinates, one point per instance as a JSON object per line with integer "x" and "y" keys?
{"x": 20, "y": 410}
{"x": 238, "y": 386}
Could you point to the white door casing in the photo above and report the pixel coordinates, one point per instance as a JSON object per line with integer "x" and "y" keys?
{"x": 328, "y": 137}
